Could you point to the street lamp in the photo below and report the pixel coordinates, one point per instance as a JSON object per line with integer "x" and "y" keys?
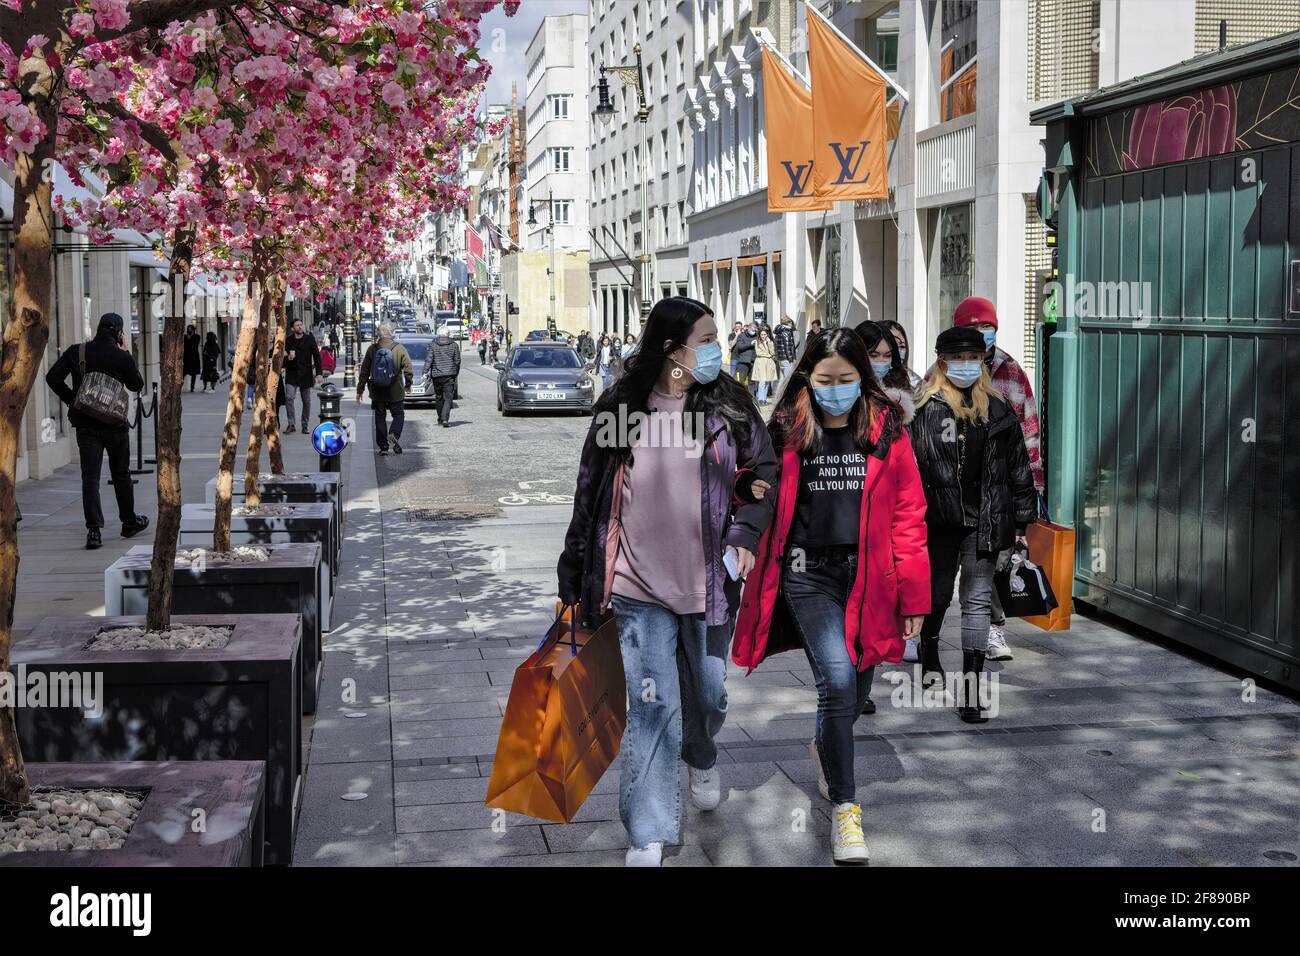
{"x": 549, "y": 203}
{"x": 633, "y": 76}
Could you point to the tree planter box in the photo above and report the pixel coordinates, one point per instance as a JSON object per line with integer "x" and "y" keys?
{"x": 289, "y": 583}
{"x": 229, "y": 792}
{"x": 238, "y": 702}
{"x": 294, "y": 487}
{"x": 310, "y": 521}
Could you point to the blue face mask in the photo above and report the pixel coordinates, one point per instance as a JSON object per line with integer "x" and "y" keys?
{"x": 990, "y": 336}
{"x": 963, "y": 374}
{"x": 881, "y": 369}
{"x": 708, "y": 362}
{"x": 837, "y": 399}
{"x": 902, "y": 355}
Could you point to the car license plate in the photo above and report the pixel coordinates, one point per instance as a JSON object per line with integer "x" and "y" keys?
{"x": 551, "y": 395}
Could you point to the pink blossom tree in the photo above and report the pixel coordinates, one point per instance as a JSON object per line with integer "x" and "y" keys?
{"x": 256, "y": 136}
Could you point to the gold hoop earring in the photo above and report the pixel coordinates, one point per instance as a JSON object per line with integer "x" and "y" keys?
{"x": 676, "y": 373}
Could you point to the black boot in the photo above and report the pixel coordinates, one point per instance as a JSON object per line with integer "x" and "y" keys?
{"x": 931, "y": 666}
{"x": 968, "y": 707}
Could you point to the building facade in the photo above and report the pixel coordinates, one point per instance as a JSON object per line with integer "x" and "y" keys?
{"x": 628, "y": 157}
{"x": 545, "y": 275}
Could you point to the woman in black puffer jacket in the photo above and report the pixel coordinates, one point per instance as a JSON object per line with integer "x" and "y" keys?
{"x": 979, "y": 496}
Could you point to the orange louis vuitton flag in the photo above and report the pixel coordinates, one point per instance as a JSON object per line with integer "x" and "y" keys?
{"x": 848, "y": 106}
{"x": 788, "y": 117}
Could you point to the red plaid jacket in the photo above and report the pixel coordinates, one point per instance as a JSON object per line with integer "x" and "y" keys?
{"x": 1013, "y": 383}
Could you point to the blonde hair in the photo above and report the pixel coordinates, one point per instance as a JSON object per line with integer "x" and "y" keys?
{"x": 980, "y": 393}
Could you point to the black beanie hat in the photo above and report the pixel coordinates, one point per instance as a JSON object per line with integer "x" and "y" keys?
{"x": 967, "y": 338}
{"x": 111, "y": 322}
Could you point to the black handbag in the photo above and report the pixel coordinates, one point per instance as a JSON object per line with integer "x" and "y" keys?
{"x": 1023, "y": 588}
{"x": 100, "y": 396}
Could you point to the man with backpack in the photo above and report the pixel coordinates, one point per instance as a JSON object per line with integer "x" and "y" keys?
{"x": 388, "y": 371}
{"x": 102, "y": 363}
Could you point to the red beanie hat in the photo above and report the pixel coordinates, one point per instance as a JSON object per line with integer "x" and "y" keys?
{"x": 973, "y": 311}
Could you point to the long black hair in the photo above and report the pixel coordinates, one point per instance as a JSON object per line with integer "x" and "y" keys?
{"x": 873, "y": 333}
{"x": 795, "y": 420}
{"x": 667, "y": 328}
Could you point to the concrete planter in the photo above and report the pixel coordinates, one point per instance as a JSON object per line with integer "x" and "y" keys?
{"x": 310, "y": 521}
{"x": 289, "y": 583}
{"x": 229, "y": 792}
{"x": 293, "y": 487}
{"x": 239, "y": 702}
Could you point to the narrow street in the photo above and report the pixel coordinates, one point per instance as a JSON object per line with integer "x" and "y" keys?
{"x": 1108, "y": 749}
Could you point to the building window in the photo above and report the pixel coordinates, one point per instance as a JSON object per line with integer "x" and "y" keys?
{"x": 681, "y": 142}
{"x": 561, "y": 158}
{"x": 681, "y": 221}
{"x": 663, "y": 73}
{"x": 956, "y": 256}
{"x": 559, "y": 103}
{"x": 563, "y": 209}
{"x": 663, "y": 150}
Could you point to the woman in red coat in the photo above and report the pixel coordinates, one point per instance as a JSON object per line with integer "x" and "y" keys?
{"x": 843, "y": 570}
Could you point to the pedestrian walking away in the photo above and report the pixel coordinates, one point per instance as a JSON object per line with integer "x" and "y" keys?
{"x": 1012, "y": 382}
{"x": 211, "y": 356}
{"x": 979, "y": 498}
{"x": 107, "y": 354}
{"x": 441, "y": 367}
{"x": 302, "y": 371}
{"x": 654, "y": 530}
{"x": 191, "y": 361}
{"x": 842, "y": 571}
{"x": 787, "y": 346}
{"x": 386, "y": 372}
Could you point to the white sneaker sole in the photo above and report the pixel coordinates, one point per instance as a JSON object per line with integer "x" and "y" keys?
{"x": 706, "y": 802}
{"x": 1001, "y": 654}
{"x": 851, "y": 856}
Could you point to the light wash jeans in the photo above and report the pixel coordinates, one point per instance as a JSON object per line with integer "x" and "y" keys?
{"x": 952, "y": 550}
{"x": 676, "y": 668}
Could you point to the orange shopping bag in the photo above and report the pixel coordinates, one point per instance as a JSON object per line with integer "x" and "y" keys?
{"x": 564, "y": 721}
{"x": 1051, "y": 547}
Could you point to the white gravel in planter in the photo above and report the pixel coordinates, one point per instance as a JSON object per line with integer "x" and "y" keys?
{"x": 59, "y": 819}
{"x": 179, "y": 637}
{"x": 263, "y": 511}
{"x": 242, "y": 554}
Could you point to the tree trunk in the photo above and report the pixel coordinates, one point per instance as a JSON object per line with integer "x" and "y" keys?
{"x": 23, "y": 348}
{"x": 253, "y": 457}
{"x": 168, "y": 452}
{"x": 271, "y": 420}
{"x": 235, "y": 412}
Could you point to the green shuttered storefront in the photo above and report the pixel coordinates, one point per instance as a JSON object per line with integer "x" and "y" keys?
{"x": 1174, "y": 416}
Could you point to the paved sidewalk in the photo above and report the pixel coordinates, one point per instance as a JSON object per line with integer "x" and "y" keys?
{"x": 1109, "y": 749}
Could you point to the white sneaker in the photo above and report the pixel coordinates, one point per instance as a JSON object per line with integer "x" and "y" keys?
{"x": 848, "y": 845}
{"x": 651, "y": 855}
{"x": 706, "y": 788}
{"x": 910, "y": 656}
{"x": 997, "y": 649}
{"x": 822, "y": 788}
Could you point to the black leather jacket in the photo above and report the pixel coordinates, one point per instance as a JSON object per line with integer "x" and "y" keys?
{"x": 1008, "y": 503}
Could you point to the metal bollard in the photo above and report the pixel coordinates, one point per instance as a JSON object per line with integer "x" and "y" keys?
{"x": 330, "y": 437}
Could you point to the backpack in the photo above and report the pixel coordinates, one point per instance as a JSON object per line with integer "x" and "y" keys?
{"x": 383, "y": 369}
{"x": 327, "y": 363}
{"x": 100, "y": 396}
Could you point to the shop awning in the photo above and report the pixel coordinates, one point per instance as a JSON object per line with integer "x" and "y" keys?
{"x": 723, "y": 264}
{"x": 776, "y": 257}
{"x": 752, "y": 261}
{"x": 706, "y": 266}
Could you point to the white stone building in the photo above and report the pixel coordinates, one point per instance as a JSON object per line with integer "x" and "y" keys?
{"x": 627, "y": 156}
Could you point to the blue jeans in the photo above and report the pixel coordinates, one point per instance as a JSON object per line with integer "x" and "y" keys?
{"x": 816, "y": 597}
{"x": 676, "y": 669}
{"x": 762, "y": 390}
